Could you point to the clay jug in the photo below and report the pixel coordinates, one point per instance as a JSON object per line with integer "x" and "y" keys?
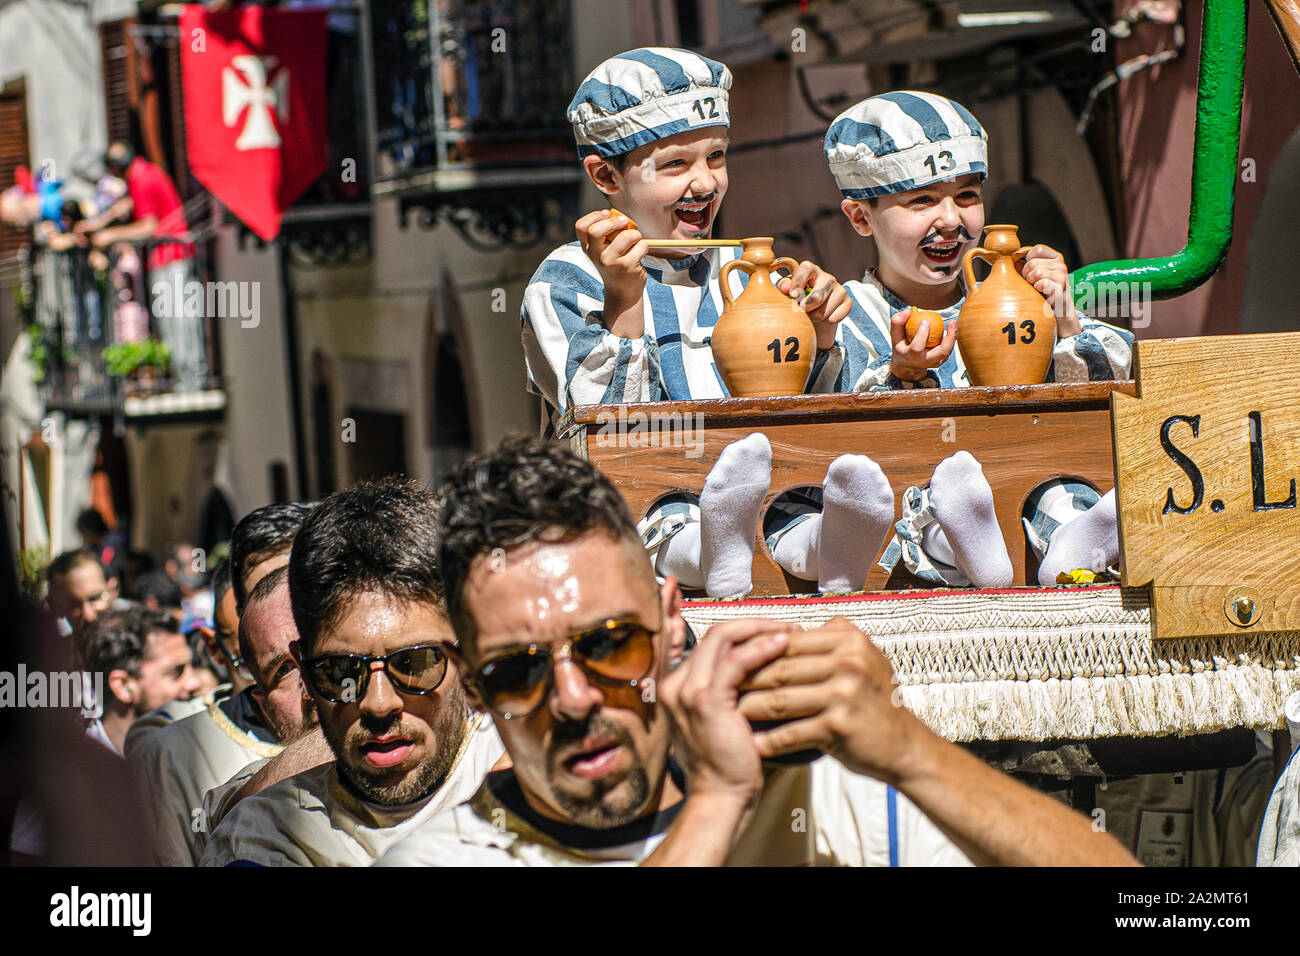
{"x": 1005, "y": 330}
{"x": 763, "y": 344}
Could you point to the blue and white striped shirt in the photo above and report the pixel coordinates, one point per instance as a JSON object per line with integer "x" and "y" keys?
{"x": 573, "y": 360}
{"x": 1101, "y": 352}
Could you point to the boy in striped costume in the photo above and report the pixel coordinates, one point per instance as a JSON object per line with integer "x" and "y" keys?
{"x": 605, "y": 321}
{"x": 910, "y": 167}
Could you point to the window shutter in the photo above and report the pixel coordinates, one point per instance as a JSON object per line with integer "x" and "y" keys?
{"x": 15, "y": 150}
{"x": 118, "y": 59}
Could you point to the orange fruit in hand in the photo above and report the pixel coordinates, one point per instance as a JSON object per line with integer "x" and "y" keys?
{"x": 613, "y": 214}
{"x": 935, "y": 321}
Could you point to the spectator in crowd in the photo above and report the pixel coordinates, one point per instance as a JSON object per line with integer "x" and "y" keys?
{"x": 134, "y": 565}
{"x": 367, "y": 603}
{"x": 154, "y": 212}
{"x": 156, "y": 590}
{"x": 184, "y": 565}
{"x": 183, "y": 762}
{"x": 260, "y": 543}
{"x": 198, "y": 626}
{"x": 107, "y": 544}
{"x": 78, "y": 590}
{"x": 209, "y": 680}
{"x": 222, "y": 639}
{"x": 566, "y": 639}
{"x": 143, "y": 662}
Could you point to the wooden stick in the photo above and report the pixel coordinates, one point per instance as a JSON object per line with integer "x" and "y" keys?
{"x": 687, "y": 244}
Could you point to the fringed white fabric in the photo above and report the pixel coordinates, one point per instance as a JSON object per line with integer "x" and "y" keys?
{"x": 1038, "y": 664}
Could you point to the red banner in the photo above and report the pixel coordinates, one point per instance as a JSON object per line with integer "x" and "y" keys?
{"x": 254, "y": 83}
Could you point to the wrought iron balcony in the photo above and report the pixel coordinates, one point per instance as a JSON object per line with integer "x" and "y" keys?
{"x": 111, "y": 337}
{"x": 470, "y": 104}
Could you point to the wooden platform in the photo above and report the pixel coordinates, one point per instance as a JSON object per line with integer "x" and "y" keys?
{"x": 1022, "y": 435}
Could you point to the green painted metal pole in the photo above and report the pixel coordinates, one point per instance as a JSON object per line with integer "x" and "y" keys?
{"x": 1214, "y": 170}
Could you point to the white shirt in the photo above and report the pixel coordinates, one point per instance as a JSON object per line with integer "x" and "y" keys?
{"x": 311, "y": 819}
{"x": 815, "y": 814}
{"x": 178, "y": 764}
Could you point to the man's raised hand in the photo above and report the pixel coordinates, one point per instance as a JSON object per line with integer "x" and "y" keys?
{"x": 835, "y": 691}
{"x": 711, "y": 737}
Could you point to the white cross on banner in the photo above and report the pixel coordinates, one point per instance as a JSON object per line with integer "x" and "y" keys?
{"x": 254, "y": 99}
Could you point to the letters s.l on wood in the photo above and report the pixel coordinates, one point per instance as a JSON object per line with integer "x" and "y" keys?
{"x": 1207, "y": 461}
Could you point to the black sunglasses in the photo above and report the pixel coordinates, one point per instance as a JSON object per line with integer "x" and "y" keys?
{"x": 618, "y": 653}
{"x": 343, "y": 677}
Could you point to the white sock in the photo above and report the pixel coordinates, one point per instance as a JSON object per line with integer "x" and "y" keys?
{"x": 729, "y": 508}
{"x": 679, "y": 556}
{"x": 963, "y": 503}
{"x": 857, "y": 514}
{"x": 1089, "y": 541}
{"x": 796, "y": 552}
{"x": 935, "y": 543}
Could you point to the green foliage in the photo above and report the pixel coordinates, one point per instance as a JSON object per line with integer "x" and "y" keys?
{"x": 31, "y": 571}
{"x": 39, "y": 356}
{"x": 123, "y": 358}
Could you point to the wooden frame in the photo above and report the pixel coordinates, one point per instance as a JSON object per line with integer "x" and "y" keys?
{"x": 1022, "y": 435}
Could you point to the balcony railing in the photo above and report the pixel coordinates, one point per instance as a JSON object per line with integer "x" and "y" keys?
{"x": 464, "y": 86}
{"x": 113, "y": 337}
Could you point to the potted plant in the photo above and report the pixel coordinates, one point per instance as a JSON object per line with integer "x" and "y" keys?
{"x": 138, "y": 361}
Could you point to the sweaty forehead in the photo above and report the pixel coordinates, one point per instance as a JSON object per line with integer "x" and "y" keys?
{"x": 376, "y": 623}
{"x": 269, "y": 623}
{"x": 542, "y": 591}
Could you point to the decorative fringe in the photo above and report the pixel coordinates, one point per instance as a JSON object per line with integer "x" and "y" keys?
{"x": 1055, "y": 663}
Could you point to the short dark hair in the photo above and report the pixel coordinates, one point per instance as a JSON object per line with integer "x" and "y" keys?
{"x": 119, "y": 640}
{"x": 375, "y": 536}
{"x": 262, "y": 534}
{"x": 221, "y": 583}
{"x": 92, "y": 521}
{"x": 262, "y": 590}
{"x": 69, "y": 560}
{"x": 524, "y": 490}
{"x": 155, "y": 584}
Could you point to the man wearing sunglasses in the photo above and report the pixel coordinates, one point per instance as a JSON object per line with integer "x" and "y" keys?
{"x": 368, "y": 606}
{"x": 180, "y": 763}
{"x": 567, "y": 640}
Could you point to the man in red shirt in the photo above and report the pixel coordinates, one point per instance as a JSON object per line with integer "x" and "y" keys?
{"x": 153, "y": 210}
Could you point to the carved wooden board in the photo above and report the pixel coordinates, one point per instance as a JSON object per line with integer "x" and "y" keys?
{"x": 1022, "y": 435}
{"x": 1207, "y": 459}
